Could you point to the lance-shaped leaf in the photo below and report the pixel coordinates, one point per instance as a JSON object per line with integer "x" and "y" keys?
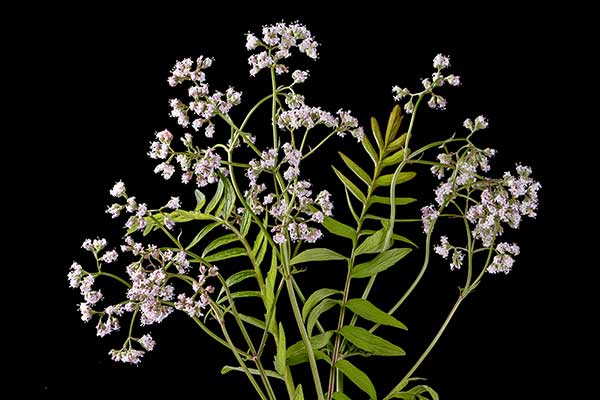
{"x": 374, "y": 242}
{"x": 280, "y": 356}
{"x": 218, "y": 242}
{"x": 351, "y": 186}
{"x": 216, "y": 197}
{"x": 225, "y": 254}
{"x": 296, "y": 353}
{"x": 202, "y": 233}
{"x": 200, "y": 199}
{"x": 394, "y": 123}
{"x": 315, "y": 298}
{"x": 271, "y": 374}
{"x": 397, "y": 143}
{"x": 377, "y": 133}
{"x": 370, "y": 149}
{"x": 386, "y": 180}
{"x": 365, "y": 340}
{"x": 394, "y": 159}
{"x": 316, "y": 254}
{"x": 380, "y": 263}
{"x": 357, "y": 377}
{"x": 316, "y": 312}
{"x": 340, "y": 396}
{"x": 298, "y": 393}
{"x": 339, "y": 229}
{"x": 369, "y": 311}
{"x": 236, "y": 278}
{"x": 358, "y": 171}
{"x": 416, "y": 393}
{"x": 400, "y": 201}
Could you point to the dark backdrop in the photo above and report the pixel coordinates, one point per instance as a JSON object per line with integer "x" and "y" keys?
{"x": 98, "y": 91}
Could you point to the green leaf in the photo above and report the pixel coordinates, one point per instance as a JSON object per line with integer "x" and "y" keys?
{"x": 272, "y": 374}
{"x": 260, "y": 248}
{"x": 386, "y": 180}
{"x": 357, "y": 377}
{"x": 369, "y": 311}
{"x": 241, "y": 295}
{"x": 269, "y": 293}
{"x": 370, "y": 149}
{"x": 358, "y": 171}
{"x": 394, "y": 159}
{"x": 280, "y": 356}
{"x": 216, "y": 197}
{"x": 397, "y": 143}
{"x": 351, "y": 186}
{"x": 380, "y": 263}
{"x": 340, "y": 396}
{"x": 200, "y": 199}
{"x": 252, "y": 321}
{"x": 315, "y": 298}
{"x": 316, "y": 254}
{"x": 365, "y": 340}
{"x": 229, "y": 201}
{"x": 225, "y": 254}
{"x": 239, "y": 277}
{"x": 400, "y": 201}
{"x": 246, "y": 223}
{"x": 316, "y": 312}
{"x": 394, "y": 123}
{"x": 298, "y": 394}
{"x": 296, "y": 353}
{"x": 218, "y": 242}
{"x": 377, "y": 133}
{"x": 404, "y": 239}
{"x": 339, "y": 229}
{"x": 373, "y": 243}
{"x": 416, "y": 393}
{"x": 202, "y": 233}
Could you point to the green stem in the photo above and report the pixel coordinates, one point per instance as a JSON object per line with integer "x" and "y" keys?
{"x": 115, "y": 277}
{"x": 428, "y": 349}
{"x": 298, "y": 317}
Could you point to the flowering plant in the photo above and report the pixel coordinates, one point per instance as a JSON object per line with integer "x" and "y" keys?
{"x": 255, "y": 215}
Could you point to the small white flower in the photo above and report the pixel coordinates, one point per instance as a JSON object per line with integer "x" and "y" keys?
{"x": 174, "y": 203}
{"x": 440, "y": 61}
{"x": 118, "y": 189}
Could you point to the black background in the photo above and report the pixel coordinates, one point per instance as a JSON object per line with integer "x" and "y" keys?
{"x": 94, "y": 90}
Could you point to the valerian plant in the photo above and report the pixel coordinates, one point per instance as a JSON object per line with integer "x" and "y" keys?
{"x": 259, "y": 218}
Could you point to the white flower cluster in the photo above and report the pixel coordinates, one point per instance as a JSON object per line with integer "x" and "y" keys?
{"x": 288, "y": 216}
{"x": 302, "y": 116}
{"x": 203, "y": 104}
{"x": 507, "y": 201}
{"x": 503, "y": 201}
{"x": 438, "y": 79}
{"x": 277, "y": 41}
{"x": 149, "y": 291}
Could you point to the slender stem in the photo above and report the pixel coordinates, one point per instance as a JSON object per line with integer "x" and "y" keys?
{"x": 461, "y": 297}
{"x": 298, "y": 316}
{"x": 115, "y": 277}
{"x": 255, "y": 358}
{"x": 241, "y": 362}
{"x": 321, "y": 143}
{"x": 274, "y": 107}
